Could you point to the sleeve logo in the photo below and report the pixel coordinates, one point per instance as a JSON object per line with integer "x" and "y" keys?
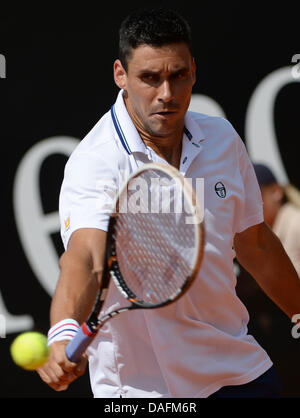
{"x": 220, "y": 189}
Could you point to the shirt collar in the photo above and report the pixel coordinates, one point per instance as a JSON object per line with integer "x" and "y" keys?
{"x": 125, "y": 129}
{"x": 196, "y": 133}
{"x": 191, "y": 142}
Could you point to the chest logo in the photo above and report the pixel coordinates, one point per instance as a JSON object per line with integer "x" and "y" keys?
{"x": 220, "y": 189}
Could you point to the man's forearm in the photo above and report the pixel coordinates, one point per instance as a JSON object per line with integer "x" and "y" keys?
{"x": 271, "y": 267}
{"x": 76, "y": 290}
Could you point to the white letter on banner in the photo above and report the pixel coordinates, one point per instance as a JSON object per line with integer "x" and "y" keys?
{"x": 204, "y": 104}
{"x": 259, "y": 128}
{"x": 13, "y": 323}
{"x": 33, "y": 225}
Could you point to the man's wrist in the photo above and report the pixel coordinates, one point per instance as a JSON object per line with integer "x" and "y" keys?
{"x": 63, "y": 330}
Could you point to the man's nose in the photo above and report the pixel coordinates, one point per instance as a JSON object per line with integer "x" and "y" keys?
{"x": 165, "y": 92}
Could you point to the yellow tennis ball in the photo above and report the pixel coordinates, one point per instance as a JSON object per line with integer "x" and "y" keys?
{"x": 29, "y": 350}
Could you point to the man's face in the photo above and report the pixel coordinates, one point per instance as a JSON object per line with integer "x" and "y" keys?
{"x": 158, "y": 86}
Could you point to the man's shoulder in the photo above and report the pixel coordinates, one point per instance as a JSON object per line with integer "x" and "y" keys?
{"x": 99, "y": 136}
{"x": 97, "y": 149}
{"x": 212, "y": 124}
{"x": 98, "y": 142}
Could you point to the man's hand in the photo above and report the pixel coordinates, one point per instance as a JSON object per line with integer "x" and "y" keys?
{"x": 59, "y": 372}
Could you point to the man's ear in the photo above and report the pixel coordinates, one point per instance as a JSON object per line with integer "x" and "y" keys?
{"x": 120, "y": 75}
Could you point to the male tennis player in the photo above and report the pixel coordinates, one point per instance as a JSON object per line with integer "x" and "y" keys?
{"x": 198, "y": 346}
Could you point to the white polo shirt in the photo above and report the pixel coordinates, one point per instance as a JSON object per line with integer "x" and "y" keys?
{"x": 200, "y": 343}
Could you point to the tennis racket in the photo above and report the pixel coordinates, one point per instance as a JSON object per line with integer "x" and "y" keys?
{"x": 154, "y": 246}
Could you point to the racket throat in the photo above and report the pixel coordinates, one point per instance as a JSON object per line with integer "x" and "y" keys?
{"x": 89, "y": 329}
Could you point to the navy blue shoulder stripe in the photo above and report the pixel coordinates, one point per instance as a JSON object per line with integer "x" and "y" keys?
{"x": 188, "y": 134}
{"x": 119, "y": 130}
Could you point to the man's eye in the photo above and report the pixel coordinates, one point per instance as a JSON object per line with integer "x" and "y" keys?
{"x": 179, "y": 76}
{"x": 150, "y": 78}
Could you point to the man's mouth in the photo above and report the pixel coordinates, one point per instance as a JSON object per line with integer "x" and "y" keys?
{"x": 164, "y": 112}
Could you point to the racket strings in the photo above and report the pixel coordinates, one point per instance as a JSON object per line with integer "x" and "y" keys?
{"x": 155, "y": 264}
{"x": 155, "y": 251}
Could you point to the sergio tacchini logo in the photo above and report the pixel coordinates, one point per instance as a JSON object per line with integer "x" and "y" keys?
{"x": 220, "y": 189}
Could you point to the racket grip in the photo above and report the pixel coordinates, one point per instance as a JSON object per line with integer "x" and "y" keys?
{"x": 79, "y": 343}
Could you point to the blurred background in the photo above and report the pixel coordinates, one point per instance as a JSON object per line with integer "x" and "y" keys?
{"x": 56, "y": 82}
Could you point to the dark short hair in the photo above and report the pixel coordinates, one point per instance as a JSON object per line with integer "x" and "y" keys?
{"x": 154, "y": 27}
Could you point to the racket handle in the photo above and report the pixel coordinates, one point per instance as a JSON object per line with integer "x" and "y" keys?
{"x": 79, "y": 343}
